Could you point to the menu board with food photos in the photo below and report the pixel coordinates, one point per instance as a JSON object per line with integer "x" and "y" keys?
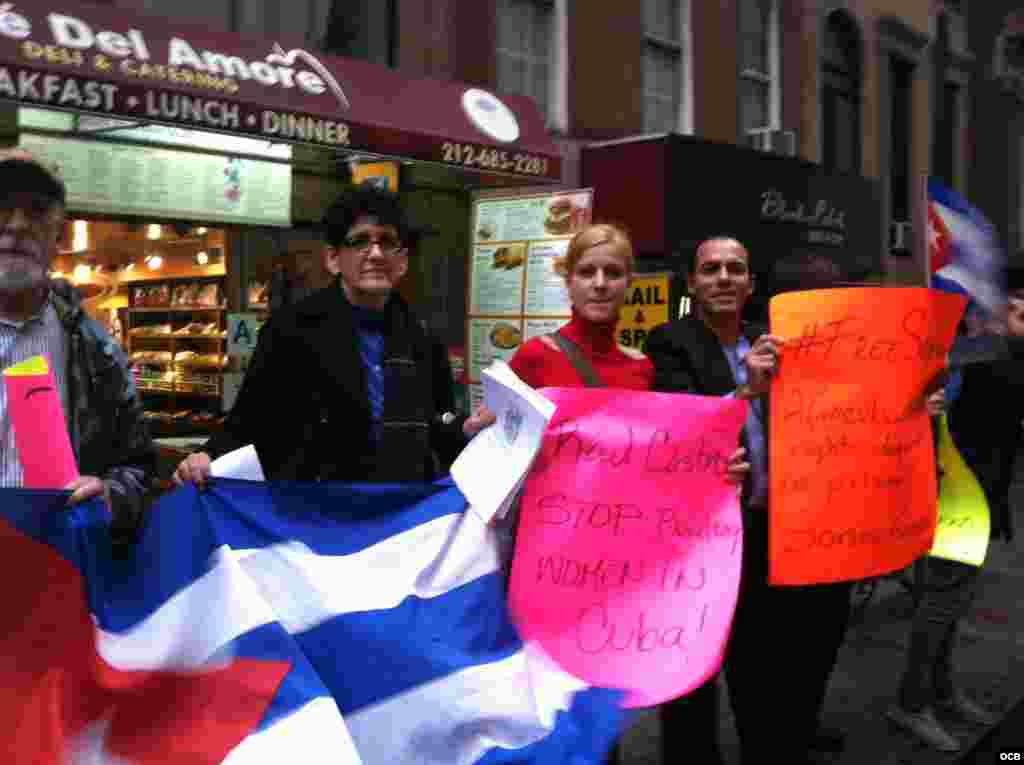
{"x": 515, "y": 290}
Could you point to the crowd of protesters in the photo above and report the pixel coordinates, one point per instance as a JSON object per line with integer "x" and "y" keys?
{"x": 377, "y": 404}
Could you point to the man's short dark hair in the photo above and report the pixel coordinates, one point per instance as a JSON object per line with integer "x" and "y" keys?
{"x": 25, "y": 175}
{"x": 364, "y": 201}
{"x": 691, "y": 264}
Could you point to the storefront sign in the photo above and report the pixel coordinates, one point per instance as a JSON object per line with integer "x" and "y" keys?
{"x": 646, "y": 306}
{"x": 112, "y": 62}
{"x": 824, "y": 223}
{"x": 243, "y": 331}
{"x": 803, "y": 227}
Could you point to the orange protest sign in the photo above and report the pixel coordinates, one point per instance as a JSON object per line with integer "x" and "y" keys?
{"x": 852, "y": 465}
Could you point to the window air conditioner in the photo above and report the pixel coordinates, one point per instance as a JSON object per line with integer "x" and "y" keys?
{"x": 772, "y": 140}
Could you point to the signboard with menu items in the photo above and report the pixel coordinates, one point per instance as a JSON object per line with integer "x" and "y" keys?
{"x": 515, "y": 293}
{"x": 126, "y": 179}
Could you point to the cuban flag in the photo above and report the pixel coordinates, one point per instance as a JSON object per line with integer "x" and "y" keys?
{"x": 965, "y": 257}
{"x": 260, "y": 622}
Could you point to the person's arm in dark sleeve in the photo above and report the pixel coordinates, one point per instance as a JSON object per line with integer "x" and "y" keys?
{"x": 672, "y": 371}
{"x": 446, "y": 439}
{"x": 129, "y": 479}
{"x": 252, "y": 414}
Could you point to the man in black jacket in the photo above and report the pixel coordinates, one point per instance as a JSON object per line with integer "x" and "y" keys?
{"x": 40, "y": 316}
{"x": 347, "y": 384}
{"x": 784, "y": 640}
{"x": 987, "y": 418}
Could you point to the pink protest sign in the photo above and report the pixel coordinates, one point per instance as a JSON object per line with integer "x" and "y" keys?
{"x": 627, "y": 559}
{"x": 40, "y": 432}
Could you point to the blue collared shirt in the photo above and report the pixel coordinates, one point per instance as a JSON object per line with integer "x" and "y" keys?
{"x": 757, "y": 443}
{"x": 370, "y": 327}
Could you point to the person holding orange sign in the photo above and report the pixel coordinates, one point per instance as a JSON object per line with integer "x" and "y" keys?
{"x": 782, "y": 637}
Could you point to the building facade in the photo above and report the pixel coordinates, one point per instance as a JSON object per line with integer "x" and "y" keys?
{"x": 877, "y": 88}
{"x": 997, "y": 119}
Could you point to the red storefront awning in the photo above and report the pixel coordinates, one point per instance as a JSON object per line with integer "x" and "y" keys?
{"x": 111, "y": 62}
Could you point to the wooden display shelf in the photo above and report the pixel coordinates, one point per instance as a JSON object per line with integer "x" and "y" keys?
{"x": 175, "y": 309}
{"x": 177, "y": 392}
{"x": 171, "y": 336}
{"x": 165, "y": 364}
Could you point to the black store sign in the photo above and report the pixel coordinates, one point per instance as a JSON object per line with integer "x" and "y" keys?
{"x": 804, "y": 228}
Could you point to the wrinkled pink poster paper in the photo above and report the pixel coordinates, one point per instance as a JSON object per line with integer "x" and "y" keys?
{"x": 40, "y": 431}
{"x": 627, "y": 559}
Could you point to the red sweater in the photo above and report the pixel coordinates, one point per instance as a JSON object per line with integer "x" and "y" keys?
{"x": 540, "y": 365}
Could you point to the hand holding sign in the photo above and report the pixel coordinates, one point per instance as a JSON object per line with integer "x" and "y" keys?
{"x": 40, "y": 432}
{"x": 627, "y": 561}
{"x": 853, "y": 491}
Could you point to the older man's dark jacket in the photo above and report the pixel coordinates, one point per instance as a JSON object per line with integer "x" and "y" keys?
{"x": 305, "y": 404}
{"x": 108, "y": 435}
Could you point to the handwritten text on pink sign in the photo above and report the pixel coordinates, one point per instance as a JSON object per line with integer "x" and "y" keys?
{"x": 628, "y": 552}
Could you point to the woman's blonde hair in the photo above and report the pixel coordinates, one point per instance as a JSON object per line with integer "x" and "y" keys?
{"x": 591, "y": 236}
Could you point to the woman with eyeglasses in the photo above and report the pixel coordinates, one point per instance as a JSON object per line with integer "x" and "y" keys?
{"x": 347, "y": 384}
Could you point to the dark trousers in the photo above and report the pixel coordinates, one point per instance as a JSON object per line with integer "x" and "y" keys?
{"x": 783, "y": 647}
{"x": 945, "y": 592}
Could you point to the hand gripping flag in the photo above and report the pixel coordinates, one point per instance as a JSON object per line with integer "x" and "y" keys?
{"x": 276, "y": 622}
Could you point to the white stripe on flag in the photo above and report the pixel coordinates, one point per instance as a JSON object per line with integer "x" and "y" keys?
{"x": 313, "y": 734}
{"x": 456, "y": 719}
{"x": 300, "y": 589}
{"x": 305, "y": 589}
{"x": 193, "y": 625}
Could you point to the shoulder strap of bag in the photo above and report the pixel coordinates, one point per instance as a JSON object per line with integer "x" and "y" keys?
{"x": 579, "y": 362}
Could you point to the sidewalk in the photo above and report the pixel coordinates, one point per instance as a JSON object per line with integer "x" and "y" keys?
{"x": 989, "y": 661}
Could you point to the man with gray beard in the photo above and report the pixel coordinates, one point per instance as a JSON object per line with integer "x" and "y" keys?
{"x": 112, "y": 446}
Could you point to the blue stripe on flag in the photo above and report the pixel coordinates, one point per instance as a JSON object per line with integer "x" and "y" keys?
{"x": 938, "y": 193}
{"x": 423, "y": 639}
{"x": 302, "y": 684}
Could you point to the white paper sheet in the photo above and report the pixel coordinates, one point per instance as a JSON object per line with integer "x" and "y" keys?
{"x": 241, "y": 463}
{"x": 492, "y": 468}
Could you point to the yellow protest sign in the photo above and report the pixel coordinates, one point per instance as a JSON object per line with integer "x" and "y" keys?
{"x": 645, "y": 307}
{"x": 963, "y": 531}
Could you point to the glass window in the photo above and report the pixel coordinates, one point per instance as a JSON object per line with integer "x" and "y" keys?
{"x": 759, "y": 90}
{"x": 663, "y": 65}
{"x": 366, "y": 29}
{"x": 525, "y": 33}
{"x": 946, "y": 125}
{"x": 755, "y": 24}
{"x": 840, "y": 95}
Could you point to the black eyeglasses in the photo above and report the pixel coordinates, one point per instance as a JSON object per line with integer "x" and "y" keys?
{"x": 388, "y": 244}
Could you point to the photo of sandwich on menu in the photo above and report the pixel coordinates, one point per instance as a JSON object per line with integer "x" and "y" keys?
{"x": 561, "y": 217}
{"x": 507, "y": 258}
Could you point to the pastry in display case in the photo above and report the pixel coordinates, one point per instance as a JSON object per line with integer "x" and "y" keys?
{"x": 176, "y": 336}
